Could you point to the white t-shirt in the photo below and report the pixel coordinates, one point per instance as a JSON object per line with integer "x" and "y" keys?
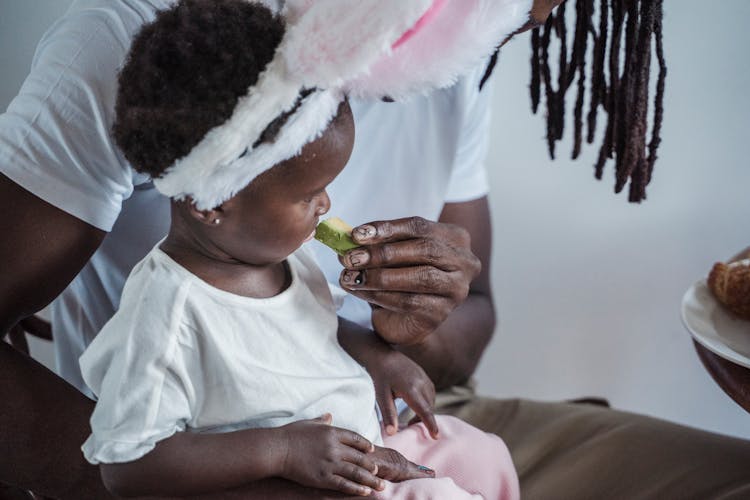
{"x": 409, "y": 159}
{"x": 181, "y": 355}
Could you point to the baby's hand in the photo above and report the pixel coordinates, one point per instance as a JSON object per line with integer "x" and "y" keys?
{"x": 395, "y": 375}
{"x": 326, "y": 457}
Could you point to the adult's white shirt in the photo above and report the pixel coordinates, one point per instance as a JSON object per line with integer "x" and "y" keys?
{"x": 409, "y": 159}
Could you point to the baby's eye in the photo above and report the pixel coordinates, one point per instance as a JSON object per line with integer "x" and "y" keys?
{"x": 311, "y": 197}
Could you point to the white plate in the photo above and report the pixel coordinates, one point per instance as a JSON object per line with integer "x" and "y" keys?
{"x": 715, "y": 328}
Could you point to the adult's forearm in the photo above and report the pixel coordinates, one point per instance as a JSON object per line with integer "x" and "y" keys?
{"x": 42, "y": 426}
{"x": 451, "y": 353}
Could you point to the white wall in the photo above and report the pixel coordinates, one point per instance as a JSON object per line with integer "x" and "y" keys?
{"x": 22, "y": 23}
{"x": 588, "y": 286}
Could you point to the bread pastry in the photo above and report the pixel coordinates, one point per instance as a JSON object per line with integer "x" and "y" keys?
{"x": 730, "y": 284}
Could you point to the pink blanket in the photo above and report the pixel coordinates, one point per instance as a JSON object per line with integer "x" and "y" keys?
{"x": 468, "y": 464}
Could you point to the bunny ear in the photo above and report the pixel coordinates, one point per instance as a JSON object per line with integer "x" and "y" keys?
{"x": 368, "y": 48}
{"x": 451, "y": 39}
{"x": 331, "y": 41}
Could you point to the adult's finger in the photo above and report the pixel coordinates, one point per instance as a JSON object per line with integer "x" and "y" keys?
{"x": 393, "y": 466}
{"x": 416, "y": 251}
{"x": 408, "y": 303}
{"x": 408, "y": 228}
{"x": 418, "y": 279}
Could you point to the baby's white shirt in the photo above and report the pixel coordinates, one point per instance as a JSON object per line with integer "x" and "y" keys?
{"x": 180, "y": 354}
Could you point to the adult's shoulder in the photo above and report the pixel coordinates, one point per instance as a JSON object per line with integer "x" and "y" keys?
{"x": 55, "y": 139}
{"x": 104, "y": 27}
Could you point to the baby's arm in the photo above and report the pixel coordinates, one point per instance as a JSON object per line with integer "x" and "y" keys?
{"x": 142, "y": 367}
{"x": 188, "y": 464}
{"x": 393, "y": 373}
{"x": 309, "y": 452}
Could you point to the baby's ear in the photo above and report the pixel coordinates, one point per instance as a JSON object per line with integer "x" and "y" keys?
{"x": 210, "y": 217}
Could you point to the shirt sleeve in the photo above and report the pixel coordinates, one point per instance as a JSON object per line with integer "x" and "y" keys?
{"x": 469, "y": 176}
{"x": 137, "y": 368}
{"x": 55, "y": 135}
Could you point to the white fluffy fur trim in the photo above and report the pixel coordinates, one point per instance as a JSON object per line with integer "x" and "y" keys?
{"x": 210, "y": 184}
{"x": 462, "y": 35}
{"x": 335, "y": 45}
{"x": 332, "y": 41}
{"x": 272, "y": 95}
{"x": 326, "y": 43}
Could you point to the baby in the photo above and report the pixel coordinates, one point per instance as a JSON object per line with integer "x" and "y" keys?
{"x": 226, "y": 363}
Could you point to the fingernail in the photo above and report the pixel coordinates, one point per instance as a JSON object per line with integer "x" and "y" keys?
{"x": 359, "y": 257}
{"x": 390, "y": 430}
{"x": 381, "y": 485}
{"x": 366, "y": 231}
{"x": 354, "y": 277}
{"x": 366, "y": 491}
{"x": 426, "y": 469}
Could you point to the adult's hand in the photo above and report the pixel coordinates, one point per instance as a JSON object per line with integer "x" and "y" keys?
{"x": 394, "y": 467}
{"x": 413, "y": 271}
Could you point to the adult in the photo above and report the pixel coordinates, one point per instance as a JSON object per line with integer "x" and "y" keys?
{"x": 77, "y": 218}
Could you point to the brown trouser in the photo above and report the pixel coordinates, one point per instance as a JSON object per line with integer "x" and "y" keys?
{"x": 582, "y": 451}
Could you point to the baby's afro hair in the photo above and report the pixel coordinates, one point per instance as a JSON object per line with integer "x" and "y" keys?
{"x": 184, "y": 74}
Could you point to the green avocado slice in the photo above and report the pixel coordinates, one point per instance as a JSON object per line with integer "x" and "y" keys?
{"x": 335, "y": 234}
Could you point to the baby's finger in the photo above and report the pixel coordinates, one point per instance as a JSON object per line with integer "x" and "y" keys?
{"x": 423, "y": 409}
{"x": 346, "y": 486}
{"x": 360, "y": 459}
{"x": 388, "y": 410}
{"x": 326, "y": 419}
{"x": 359, "y": 476}
{"x": 354, "y": 440}
{"x": 428, "y": 418}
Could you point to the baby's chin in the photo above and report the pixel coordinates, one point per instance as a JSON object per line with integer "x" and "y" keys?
{"x": 310, "y": 237}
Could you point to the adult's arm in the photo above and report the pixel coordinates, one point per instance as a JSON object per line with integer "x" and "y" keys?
{"x": 44, "y": 420}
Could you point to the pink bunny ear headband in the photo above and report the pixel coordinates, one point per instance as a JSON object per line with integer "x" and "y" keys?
{"x": 360, "y": 48}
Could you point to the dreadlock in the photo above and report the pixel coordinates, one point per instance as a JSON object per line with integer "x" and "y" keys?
{"x": 622, "y": 91}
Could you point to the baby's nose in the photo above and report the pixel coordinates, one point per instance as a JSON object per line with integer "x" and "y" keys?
{"x": 324, "y": 204}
